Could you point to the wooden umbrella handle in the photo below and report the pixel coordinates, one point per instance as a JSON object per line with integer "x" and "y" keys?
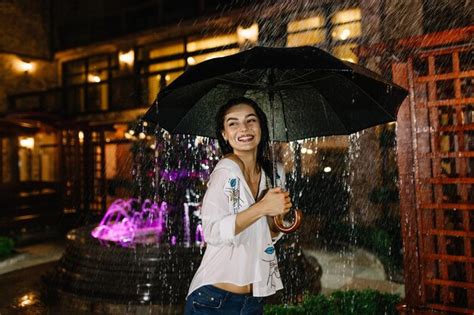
{"x": 280, "y": 226}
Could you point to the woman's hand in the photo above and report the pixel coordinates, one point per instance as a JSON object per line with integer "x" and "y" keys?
{"x": 275, "y": 202}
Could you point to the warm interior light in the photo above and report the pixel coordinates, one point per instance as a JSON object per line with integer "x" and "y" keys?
{"x": 345, "y": 34}
{"x": 191, "y": 61}
{"x": 127, "y": 57}
{"x": 303, "y": 150}
{"x": 27, "y": 143}
{"x": 80, "y": 135}
{"x": 248, "y": 34}
{"x": 25, "y": 301}
{"x": 309, "y": 151}
{"x": 24, "y": 66}
{"x": 93, "y": 78}
{"x": 327, "y": 169}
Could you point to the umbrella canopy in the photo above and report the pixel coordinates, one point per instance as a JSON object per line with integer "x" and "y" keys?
{"x": 304, "y": 91}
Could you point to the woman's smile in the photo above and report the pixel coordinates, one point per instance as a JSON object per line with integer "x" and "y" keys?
{"x": 245, "y": 138}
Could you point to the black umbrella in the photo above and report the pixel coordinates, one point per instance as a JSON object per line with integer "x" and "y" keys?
{"x": 304, "y": 91}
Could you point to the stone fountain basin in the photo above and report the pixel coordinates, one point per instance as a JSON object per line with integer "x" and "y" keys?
{"x": 144, "y": 274}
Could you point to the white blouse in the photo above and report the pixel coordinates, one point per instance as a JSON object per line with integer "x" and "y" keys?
{"x": 242, "y": 259}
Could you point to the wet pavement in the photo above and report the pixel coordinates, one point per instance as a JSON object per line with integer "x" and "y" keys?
{"x": 20, "y": 275}
{"x": 21, "y": 291}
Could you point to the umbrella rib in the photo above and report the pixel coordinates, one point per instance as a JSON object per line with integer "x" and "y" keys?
{"x": 372, "y": 99}
{"x": 325, "y": 112}
{"x": 305, "y": 82}
{"x": 284, "y": 116}
{"x": 240, "y": 83}
{"x": 313, "y": 71}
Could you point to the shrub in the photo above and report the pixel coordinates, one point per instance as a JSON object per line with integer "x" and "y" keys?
{"x": 367, "y": 302}
{"x": 6, "y": 246}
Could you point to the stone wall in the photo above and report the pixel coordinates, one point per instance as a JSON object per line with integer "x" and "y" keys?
{"x": 24, "y": 37}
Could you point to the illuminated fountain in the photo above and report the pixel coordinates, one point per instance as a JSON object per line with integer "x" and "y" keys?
{"x": 143, "y": 254}
{"x": 126, "y": 225}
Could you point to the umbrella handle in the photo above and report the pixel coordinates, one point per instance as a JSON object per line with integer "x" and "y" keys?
{"x": 280, "y": 226}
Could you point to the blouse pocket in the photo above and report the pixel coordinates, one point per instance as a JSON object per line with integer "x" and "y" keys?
{"x": 205, "y": 298}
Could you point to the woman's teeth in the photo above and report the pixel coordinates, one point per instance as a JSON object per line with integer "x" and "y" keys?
{"x": 245, "y": 138}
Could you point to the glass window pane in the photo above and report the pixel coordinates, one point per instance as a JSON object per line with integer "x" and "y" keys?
{"x": 345, "y": 16}
{"x": 168, "y": 50}
{"x": 212, "y": 42}
{"x": 97, "y": 76}
{"x": 305, "y": 38}
{"x": 153, "y": 87}
{"x": 346, "y": 31}
{"x": 172, "y": 64}
{"x": 74, "y": 67}
{"x": 76, "y": 79}
{"x": 97, "y": 97}
{"x": 171, "y": 76}
{"x": 98, "y": 63}
{"x": 345, "y": 52}
{"x": 305, "y": 24}
{"x": 200, "y": 58}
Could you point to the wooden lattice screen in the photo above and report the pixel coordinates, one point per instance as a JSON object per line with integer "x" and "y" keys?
{"x": 435, "y": 134}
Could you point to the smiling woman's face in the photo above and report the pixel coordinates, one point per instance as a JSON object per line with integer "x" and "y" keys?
{"x": 242, "y": 128}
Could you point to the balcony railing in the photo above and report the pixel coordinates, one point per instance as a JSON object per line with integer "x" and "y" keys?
{"x": 112, "y": 95}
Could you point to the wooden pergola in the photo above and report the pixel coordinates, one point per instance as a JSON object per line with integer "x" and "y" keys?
{"x": 435, "y": 148}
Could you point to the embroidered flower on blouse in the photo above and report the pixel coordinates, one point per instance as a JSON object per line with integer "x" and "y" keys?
{"x": 232, "y": 190}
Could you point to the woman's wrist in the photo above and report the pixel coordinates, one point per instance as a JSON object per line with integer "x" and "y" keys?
{"x": 259, "y": 209}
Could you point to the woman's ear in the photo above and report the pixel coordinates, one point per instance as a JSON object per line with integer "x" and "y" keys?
{"x": 223, "y": 136}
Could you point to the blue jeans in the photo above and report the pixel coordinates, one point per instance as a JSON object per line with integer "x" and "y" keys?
{"x": 211, "y": 300}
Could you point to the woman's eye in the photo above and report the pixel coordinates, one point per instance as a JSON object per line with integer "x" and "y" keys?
{"x": 252, "y": 120}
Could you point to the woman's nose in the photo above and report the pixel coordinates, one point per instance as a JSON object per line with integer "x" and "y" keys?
{"x": 244, "y": 127}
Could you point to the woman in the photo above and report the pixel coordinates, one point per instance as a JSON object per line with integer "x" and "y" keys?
{"x": 239, "y": 266}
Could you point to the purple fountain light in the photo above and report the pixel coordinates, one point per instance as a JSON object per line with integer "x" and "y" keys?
{"x": 127, "y": 223}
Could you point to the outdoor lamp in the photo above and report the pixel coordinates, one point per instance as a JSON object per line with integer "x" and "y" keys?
{"x": 191, "y": 61}
{"x": 80, "y": 135}
{"x": 25, "y": 66}
{"x": 94, "y": 78}
{"x": 127, "y": 58}
{"x": 27, "y": 143}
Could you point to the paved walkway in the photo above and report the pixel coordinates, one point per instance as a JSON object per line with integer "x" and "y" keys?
{"x": 353, "y": 269}
{"x": 20, "y": 274}
{"x": 33, "y": 255}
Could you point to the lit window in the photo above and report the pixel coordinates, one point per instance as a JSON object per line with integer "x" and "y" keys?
{"x": 305, "y": 24}
{"x": 345, "y": 52}
{"x": 346, "y": 24}
{"x": 306, "y": 32}
{"x": 220, "y": 53}
{"x": 346, "y": 31}
{"x": 167, "y": 65}
{"x": 212, "y": 42}
{"x": 346, "y": 16}
{"x": 167, "y": 50}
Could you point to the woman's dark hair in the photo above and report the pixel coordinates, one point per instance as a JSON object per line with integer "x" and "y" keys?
{"x": 262, "y": 149}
